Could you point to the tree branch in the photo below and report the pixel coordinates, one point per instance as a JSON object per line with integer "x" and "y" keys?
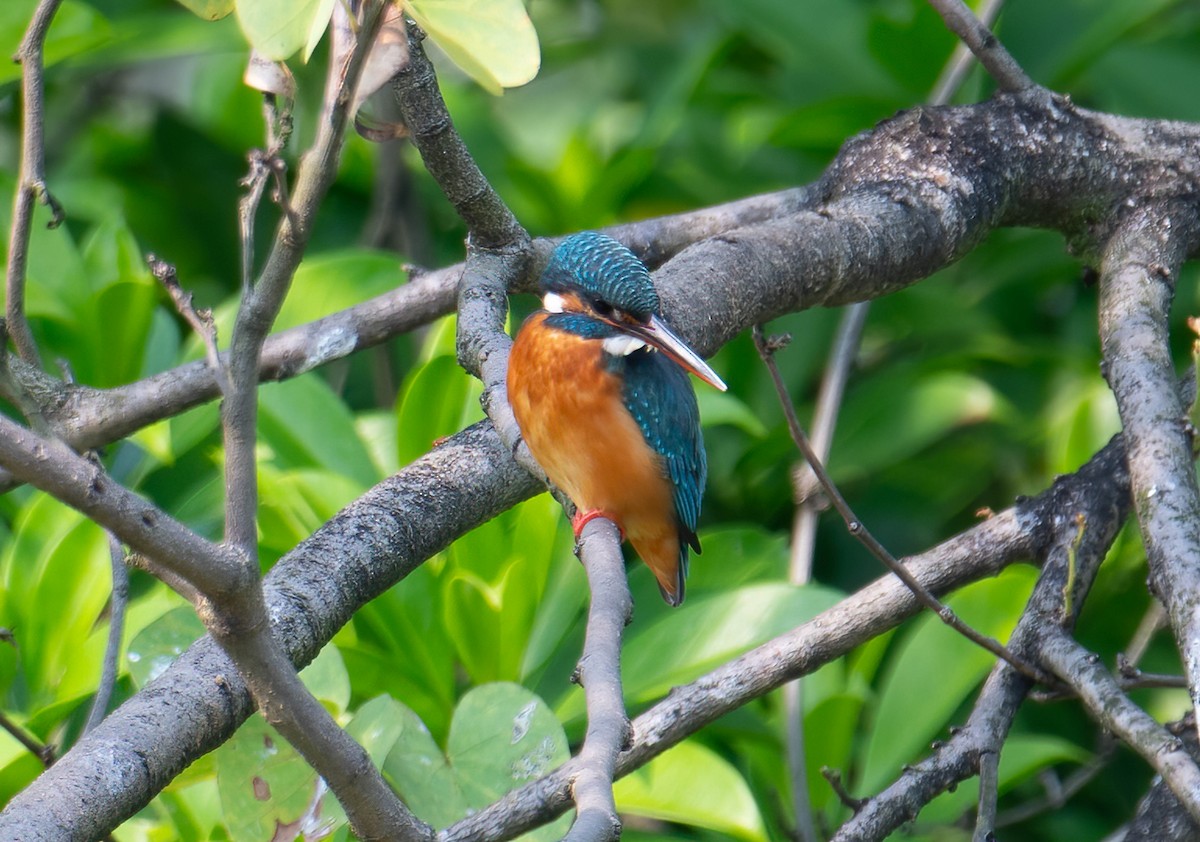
{"x": 987, "y": 48}
{"x": 116, "y": 627}
{"x": 1100, "y": 492}
{"x": 981, "y": 551}
{"x": 51, "y": 466}
{"x": 600, "y": 674}
{"x": 766, "y": 350}
{"x": 899, "y": 202}
{"x": 1136, "y": 289}
{"x": 31, "y": 183}
{"x": 1110, "y": 707}
{"x": 198, "y": 702}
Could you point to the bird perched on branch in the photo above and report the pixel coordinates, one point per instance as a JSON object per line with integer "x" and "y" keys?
{"x": 598, "y": 384}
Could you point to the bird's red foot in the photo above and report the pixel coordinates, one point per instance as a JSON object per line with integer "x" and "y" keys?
{"x": 581, "y": 520}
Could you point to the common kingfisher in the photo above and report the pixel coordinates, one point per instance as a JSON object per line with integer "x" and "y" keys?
{"x": 597, "y": 383}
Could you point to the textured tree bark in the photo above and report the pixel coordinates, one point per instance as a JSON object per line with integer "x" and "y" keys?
{"x": 898, "y": 203}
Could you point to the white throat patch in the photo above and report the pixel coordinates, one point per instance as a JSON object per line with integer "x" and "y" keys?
{"x": 622, "y": 345}
{"x": 552, "y": 302}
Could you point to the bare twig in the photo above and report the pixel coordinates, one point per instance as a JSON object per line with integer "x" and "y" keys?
{"x": 44, "y": 753}
{"x": 200, "y": 320}
{"x": 31, "y": 183}
{"x": 1065, "y": 790}
{"x": 241, "y": 625}
{"x": 54, "y": 468}
{"x": 1100, "y": 489}
{"x": 805, "y": 488}
{"x": 839, "y": 789}
{"x": 985, "y": 821}
{"x": 116, "y": 627}
{"x": 956, "y": 68}
{"x": 1105, "y": 702}
{"x": 600, "y": 674}
{"x": 1153, "y": 620}
{"x": 882, "y": 604}
{"x": 766, "y": 349}
{"x": 991, "y": 53}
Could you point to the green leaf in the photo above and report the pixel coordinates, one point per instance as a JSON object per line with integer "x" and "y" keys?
{"x": 294, "y": 503}
{"x": 420, "y": 772}
{"x": 278, "y": 28}
{"x": 831, "y": 729}
{"x": 912, "y": 415}
{"x": 161, "y": 642}
{"x": 693, "y": 785}
{"x": 117, "y": 319}
{"x": 208, "y": 9}
{"x": 265, "y": 785}
{"x": 934, "y": 670}
{"x": 502, "y": 737}
{"x": 725, "y": 408}
{"x": 326, "y": 678}
{"x": 492, "y": 40}
{"x": 307, "y": 426}
{"x": 437, "y": 400}
{"x": 332, "y": 281}
{"x": 494, "y": 583}
{"x": 400, "y": 647}
{"x": 56, "y": 558}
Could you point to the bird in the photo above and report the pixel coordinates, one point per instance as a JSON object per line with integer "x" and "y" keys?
{"x": 598, "y": 384}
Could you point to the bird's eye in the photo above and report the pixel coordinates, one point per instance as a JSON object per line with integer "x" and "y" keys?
{"x": 603, "y": 308}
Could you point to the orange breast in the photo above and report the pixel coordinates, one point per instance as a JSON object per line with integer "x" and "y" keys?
{"x": 573, "y": 418}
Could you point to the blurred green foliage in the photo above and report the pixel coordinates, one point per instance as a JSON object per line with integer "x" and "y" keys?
{"x": 972, "y": 387}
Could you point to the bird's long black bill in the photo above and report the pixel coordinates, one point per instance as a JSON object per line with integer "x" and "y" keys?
{"x": 664, "y": 339}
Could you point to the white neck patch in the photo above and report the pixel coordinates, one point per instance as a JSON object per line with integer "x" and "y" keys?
{"x": 622, "y": 345}
{"x": 553, "y": 302}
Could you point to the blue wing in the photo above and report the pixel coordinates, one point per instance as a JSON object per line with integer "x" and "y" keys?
{"x": 660, "y": 397}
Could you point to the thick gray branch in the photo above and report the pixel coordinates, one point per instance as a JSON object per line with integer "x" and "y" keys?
{"x": 200, "y": 700}
{"x": 899, "y": 203}
{"x": 1137, "y": 285}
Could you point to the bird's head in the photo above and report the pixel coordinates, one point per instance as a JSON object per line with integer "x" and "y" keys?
{"x": 605, "y": 293}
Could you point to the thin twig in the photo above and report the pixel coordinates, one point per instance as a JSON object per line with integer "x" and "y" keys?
{"x": 956, "y": 68}
{"x": 116, "y": 627}
{"x": 766, "y": 349}
{"x": 1135, "y": 680}
{"x": 989, "y": 783}
{"x": 1055, "y": 798}
{"x": 201, "y": 320}
{"x": 242, "y": 625}
{"x": 1152, "y": 621}
{"x": 804, "y": 483}
{"x": 805, "y": 486}
{"x": 838, "y": 786}
{"x": 1099, "y": 489}
{"x": 987, "y": 48}
{"x": 44, "y": 753}
{"x": 600, "y": 674}
{"x": 31, "y": 183}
